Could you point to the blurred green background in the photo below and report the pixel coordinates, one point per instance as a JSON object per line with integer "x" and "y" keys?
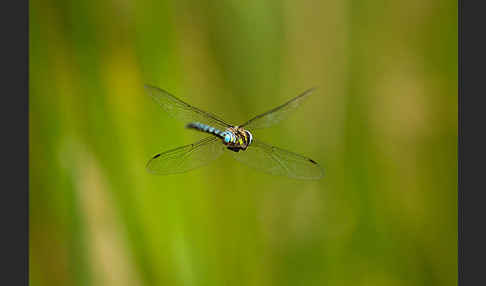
{"x": 383, "y": 125}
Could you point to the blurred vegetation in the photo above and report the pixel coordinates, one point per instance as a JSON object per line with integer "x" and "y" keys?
{"x": 383, "y": 124}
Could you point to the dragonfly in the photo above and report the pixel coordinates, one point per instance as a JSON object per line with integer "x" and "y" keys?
{"x": 235, "y": 139}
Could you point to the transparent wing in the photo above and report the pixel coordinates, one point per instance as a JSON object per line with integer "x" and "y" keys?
{"x": 183, "y": 111}
{"x": 277, "y": 161}
{"x": 186, "y": 158}
{"x": 277, "y": 114}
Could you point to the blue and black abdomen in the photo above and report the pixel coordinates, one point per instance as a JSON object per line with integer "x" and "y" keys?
{"x": 205, "y": 128}
{"x": 227, "y": 136}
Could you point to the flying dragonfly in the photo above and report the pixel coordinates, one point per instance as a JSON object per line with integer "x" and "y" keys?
{"x": 225, "y": 137}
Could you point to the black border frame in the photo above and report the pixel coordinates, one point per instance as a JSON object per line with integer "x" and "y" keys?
{"x": 14, "y": 205}
{"x": 471, "y": 155}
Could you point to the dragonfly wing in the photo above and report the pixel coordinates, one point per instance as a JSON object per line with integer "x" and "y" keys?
{"x": 277, "y": 161}
{"x": 277, "y": 114}
{"x": 183, "y": 111}
{"x": 186, "y": 158}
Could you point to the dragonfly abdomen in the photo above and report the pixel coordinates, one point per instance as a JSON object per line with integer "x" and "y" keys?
{"x": 205, "y": 128}
{"x": 228, "y": 136}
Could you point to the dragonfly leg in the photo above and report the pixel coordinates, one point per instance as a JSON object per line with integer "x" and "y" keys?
{"x": 234, "y": 149}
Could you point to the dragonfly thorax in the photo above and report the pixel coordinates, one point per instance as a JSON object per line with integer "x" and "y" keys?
{"x": 236, "y": 138}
